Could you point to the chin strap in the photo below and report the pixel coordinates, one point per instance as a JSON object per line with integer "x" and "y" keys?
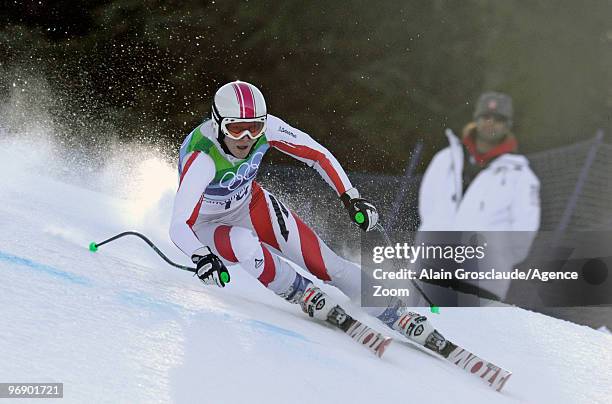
{"x": 220, "y": 136}
{"x": 221, "y": 140}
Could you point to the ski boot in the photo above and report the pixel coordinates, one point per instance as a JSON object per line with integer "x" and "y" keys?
{"x": 319, "y": 305}
{"x": 414, "y": 327}
{"x": 296, "y": 290}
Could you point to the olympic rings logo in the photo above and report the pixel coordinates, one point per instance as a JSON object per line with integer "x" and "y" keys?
{"x": 246, "y": 172}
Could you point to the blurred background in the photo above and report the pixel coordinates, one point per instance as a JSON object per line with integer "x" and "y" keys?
{"x": 368, "y": 81}
{"x": 377, "y": 84}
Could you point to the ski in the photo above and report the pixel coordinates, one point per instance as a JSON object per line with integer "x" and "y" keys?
{"x": 366, "y": 336}
{"x": 493, "y": 375}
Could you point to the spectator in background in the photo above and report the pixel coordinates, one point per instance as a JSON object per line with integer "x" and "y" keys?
{"x": 480, "y": 184}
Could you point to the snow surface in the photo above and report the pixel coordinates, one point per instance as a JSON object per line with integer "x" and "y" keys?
{"x": 121, "y": 326}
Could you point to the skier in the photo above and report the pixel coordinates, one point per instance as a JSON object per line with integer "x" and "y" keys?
{"x": 222, "y": 216}
{"x": 481, "y": 184}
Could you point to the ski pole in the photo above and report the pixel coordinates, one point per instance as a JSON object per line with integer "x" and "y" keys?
{"x": 434, "y": 308}
{"x": 93, "y": 247}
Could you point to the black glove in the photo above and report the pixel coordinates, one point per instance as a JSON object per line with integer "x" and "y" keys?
{"x": 210, "y": 269}
{"x": 360, "y": 210}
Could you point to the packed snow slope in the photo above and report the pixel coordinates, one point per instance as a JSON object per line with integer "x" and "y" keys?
{"x": 121, "y": 326}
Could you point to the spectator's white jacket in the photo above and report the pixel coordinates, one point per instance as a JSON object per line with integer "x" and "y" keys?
{"x": 503, "y": 197}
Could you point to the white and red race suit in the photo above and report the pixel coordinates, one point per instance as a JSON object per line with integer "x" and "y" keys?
{"x": 218, "y": 204}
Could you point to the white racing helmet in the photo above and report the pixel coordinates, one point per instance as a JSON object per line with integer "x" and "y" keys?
{"x": 239, "y": 110}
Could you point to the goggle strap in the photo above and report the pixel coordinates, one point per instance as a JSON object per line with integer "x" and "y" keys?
{"x": 216, "y": 114}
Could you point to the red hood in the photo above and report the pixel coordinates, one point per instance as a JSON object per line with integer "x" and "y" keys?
{"x": 509, "y": 145}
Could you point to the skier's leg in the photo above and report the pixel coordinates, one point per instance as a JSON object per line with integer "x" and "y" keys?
{"x": 284, "y": 231}
{"x": 239, "y": 245}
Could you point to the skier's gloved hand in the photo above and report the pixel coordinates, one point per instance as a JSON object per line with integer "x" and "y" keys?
{"x": 210, "y": 269}
{"x": 360, "y": 210}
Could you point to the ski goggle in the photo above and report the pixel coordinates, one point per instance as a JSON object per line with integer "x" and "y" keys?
{"x": 238, "y": 128}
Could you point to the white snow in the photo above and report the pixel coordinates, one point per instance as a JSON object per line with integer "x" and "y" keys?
{"x": 121, "y": 326}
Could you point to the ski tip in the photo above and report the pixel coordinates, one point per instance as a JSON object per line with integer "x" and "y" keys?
{"x": 435, "y": 309}
{"x": 93, "y": 247}
{"x": 383, "y": 346}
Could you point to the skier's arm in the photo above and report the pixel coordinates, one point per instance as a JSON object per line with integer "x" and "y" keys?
{"x": 526, "y": 204}
{"x": 197, "y": 173}
{"x": 428, "y": 190}
{"x": 301, "y": 146}
{"x": 525, "y": 210}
